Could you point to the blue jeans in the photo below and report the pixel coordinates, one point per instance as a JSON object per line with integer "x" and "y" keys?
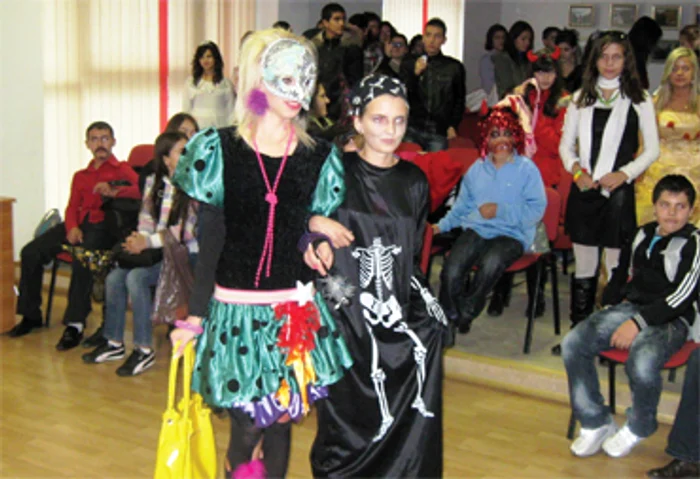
{"x": 683, "y": 441}
{"x": 428, "y": 141}
{"x": 652, "y": 347}
{"x": 119, "y": 286}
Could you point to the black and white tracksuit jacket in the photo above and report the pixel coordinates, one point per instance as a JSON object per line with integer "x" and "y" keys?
{"x": 663, "y": 282}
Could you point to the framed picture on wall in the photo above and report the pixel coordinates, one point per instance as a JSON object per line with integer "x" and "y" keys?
{"x": 581, "y": 15}
{"x": 622, "y": 15}
{"x": 667, "y": 16}
{"x": 662, "y": 49}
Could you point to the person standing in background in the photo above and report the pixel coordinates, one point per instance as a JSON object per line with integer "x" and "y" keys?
{"x": 436, "y": 90}
{"x": 208, "y": 95}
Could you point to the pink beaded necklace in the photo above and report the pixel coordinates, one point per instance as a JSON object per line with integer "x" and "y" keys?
{"x": 271, "y": 198}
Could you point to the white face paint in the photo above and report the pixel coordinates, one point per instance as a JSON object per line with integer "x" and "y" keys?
{"x": 289, "y": 71}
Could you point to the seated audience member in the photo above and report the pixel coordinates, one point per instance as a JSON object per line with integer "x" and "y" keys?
{"x": 500, "y": 202}
{"x": 339, "y": 58}
{"x": 391, "y": 64}
{"x": 162, "y": 208}
{"x": 182, "y": 122}
{"x": 571, "y": 68}
{"x": 510, "y": 66}
{"x": 649, "y": 301}
{"x": 495, "y": 42}
{"x": 549, "y": 37}
{"x": 683, "y": 440}
{"x": 84, "y": 225}
{"x": 319, "y": 125}
{"x": 415, "y": 46}
{"x": 436, "y": 89}
{"x": 689, "y": 37}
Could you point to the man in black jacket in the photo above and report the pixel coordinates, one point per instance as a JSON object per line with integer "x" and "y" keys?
{"x": 340, "y": 59}
{"x": 652, "y": 294}
{"x": 436, "y": 91}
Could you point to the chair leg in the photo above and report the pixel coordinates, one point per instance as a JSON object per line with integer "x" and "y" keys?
{"x": 555, "y": 295}
{"x": 52, "y": 286}
{"x": 611, "y": 385}
{"x": 572, "y": 426}
{"x": 531, "y": 316}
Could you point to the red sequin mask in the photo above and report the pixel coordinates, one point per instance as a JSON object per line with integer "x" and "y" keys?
{"x": 501, "y": 119}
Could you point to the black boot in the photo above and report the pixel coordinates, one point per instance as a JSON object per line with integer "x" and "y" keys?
{"x": 531, "y": 275}
{"x": 582, "y": 302}
{"x": 500, "y": 297}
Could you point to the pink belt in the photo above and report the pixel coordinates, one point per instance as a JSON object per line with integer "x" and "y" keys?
{"x": 264, "y": 297}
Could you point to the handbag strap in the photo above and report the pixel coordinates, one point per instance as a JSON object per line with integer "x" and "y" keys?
{"x": 187, "y": 367}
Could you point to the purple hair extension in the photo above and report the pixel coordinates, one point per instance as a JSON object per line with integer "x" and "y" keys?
{"x": 257, "y": 102}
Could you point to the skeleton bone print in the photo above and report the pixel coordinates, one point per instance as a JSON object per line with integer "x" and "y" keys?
{"x": 376, "y": 264}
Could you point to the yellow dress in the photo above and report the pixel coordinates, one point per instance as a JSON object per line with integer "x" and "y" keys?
{"x": 679, "y": 134}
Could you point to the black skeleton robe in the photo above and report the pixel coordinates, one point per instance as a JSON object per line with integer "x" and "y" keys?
{"x": 384, "y": 417}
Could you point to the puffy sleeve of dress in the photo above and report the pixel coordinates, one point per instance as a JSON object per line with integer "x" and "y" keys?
{"x": 330, "y": 189}
{"x": 199, "y": 172}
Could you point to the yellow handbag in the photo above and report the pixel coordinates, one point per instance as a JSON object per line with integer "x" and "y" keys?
{"x": 186, "y": 447}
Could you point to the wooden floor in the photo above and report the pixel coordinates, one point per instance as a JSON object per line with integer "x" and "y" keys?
{"x": 62, "y": 418}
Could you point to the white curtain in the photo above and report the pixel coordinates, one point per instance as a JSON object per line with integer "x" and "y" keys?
{"x": 407, "y": 17}
{"x": 101, "y": 61}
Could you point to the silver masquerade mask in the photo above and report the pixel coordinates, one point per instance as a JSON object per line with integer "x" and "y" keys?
{"x": 289, "y": 71}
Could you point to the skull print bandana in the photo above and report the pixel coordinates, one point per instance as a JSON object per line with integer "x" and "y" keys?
{"x": 289, "y": 71}
{"x": 371, "y": 87}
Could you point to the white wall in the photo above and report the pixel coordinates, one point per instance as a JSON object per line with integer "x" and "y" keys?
{"x": 22, "y": 115}
{"x": 478, "y": 17}
{"x": 541, "y": 14}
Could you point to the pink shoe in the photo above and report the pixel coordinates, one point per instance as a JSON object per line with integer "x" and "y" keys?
{"x": 250, "y": 470}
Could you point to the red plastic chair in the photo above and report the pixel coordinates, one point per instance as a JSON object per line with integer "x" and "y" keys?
{"x": 425, "y": 250}
{"x": 551, "y": 223}
{"x": 140, "y": 155}
{"x": 615, "y": 356}
{"x": 563, "y": 241}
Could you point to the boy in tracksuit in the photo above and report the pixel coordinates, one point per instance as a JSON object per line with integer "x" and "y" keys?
{"x": 652, "y": 295}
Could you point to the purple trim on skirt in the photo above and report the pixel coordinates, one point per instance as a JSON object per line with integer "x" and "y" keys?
{"x": 268, "y": 410}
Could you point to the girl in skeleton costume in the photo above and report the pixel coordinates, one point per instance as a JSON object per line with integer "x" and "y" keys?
{"x": 266, "y": 346}
{"x": 384, "y": 418}
{"x": 599, "y": 146}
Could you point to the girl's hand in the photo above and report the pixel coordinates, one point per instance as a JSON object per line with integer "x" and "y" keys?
{"x": 585, "y": 182}
{"x": 180, "y": 337}
{"x": 340, "y": 236}
{"x": 135, "y": 243}
{"x": 320, "y": 259}
{"x": 613, "y": 180}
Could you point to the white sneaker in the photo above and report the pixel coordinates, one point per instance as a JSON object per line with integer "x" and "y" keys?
{"x": 621, "y": 443}
{"x": 589, "y": 441}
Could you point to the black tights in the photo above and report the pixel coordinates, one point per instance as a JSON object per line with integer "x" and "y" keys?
{"x": 245, "y": 436}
